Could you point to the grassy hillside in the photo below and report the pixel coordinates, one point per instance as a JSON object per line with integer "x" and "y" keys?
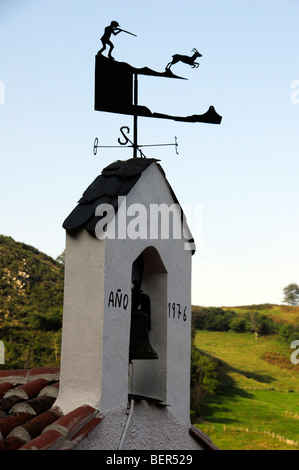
{"x": 257, "y": 404}
{"x": 31, "y": 295}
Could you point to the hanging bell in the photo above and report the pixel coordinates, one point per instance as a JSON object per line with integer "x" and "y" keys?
{"x": 140, "y": 346}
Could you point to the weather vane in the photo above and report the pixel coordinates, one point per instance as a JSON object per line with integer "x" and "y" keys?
{"x": 114, "y": 29}
{"x": 116, "y": 90}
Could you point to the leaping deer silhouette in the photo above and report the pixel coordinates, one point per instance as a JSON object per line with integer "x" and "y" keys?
{"x": 190, "y": 60}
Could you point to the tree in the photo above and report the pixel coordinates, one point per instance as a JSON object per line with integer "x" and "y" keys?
{"x": 261, "y": 324}
{"x": 61, "y": 258}
{"x": 291, "y": 294}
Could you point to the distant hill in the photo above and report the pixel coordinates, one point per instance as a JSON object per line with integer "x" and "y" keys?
{"x": 263, "y": 320}
{"x": 31, "y": 298}
{"x": 278, "y": 313}
{"x": 244, "y": 387}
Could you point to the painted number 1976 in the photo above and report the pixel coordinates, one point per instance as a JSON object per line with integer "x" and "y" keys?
{"x": 177, "y": 311}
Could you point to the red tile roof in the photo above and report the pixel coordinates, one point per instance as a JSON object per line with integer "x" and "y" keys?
{"x": 29, "y": 419}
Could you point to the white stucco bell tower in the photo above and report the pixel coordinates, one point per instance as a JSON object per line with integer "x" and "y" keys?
{"x": 97, "y": 317}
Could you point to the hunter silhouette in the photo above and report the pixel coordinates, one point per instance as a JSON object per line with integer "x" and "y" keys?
{"x": 113, "y": 28}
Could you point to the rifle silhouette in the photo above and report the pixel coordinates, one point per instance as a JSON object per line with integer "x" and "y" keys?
{"x": 124, "y": 31}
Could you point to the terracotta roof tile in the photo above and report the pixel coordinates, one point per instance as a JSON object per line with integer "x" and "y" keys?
{"x": 7, "y": 403}
{"x": 4, "y": 387}
{"x": 79, "y": 436}
{"x": 46, "y": 441}
{"x": 47, "y": 373}
{"x": 29, "y": 418}
{"x": 34, "y": 406}
{"x": 50, "y": 390}
{"x": 73, "y": 420}
{"x": 67, "y": 431}
{"x": 14, "y": 376}
{"x": 9, "y": 422}
{"x": 27, "y": 390}
{"x": 36, "y": 425}
{"x": 11, "y": 443}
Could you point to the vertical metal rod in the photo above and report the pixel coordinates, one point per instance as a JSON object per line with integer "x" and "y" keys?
{"x": 135, "y": 144}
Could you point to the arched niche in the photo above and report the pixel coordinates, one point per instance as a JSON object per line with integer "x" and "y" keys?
{"x": 147, "y": 377}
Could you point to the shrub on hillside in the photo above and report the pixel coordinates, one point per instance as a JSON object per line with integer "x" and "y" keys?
{"x": 213, "y": 319}
{"x": 289, "y": 332}
{"x": 204, "y": 371}
{"x": 217, "y": 319}
{"x": 260, "y": 324}
{"x": 220, "y": 321}
{"x": 238, "y": 324}
{"x": 205, "y": 379}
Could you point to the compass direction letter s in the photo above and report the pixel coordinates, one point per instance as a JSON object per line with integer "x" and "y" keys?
{"x": 125, "y": 137}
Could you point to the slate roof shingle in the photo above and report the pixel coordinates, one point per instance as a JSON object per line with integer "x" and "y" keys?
{"x": 117, "y": 179}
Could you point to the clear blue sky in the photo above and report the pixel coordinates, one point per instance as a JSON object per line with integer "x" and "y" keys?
{"x": 243, "y": 173}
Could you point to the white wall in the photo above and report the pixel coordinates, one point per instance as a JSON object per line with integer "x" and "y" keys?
{"x": 83, "y": 315}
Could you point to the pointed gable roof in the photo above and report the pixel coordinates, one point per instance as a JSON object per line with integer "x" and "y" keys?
{"x": 117, "y": 179}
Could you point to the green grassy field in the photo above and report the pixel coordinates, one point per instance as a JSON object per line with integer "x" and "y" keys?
{"x": 259, "y": 405}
